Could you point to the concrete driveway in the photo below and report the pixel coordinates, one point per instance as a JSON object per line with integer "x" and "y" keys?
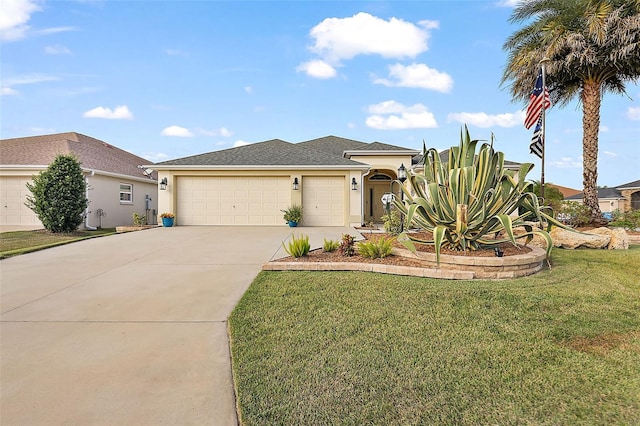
{"x": 129, "y": 329}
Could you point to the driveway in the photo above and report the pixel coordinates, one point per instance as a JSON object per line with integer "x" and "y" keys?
{"x": 129, "y": 329}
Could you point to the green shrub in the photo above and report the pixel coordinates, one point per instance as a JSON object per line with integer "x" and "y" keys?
{"x": 574, "y": 213}
{"x": 627, "y": 220}
{"x": 392, "y": 222}
{"x": 139, "y": 220}
{"x": 58, "y": 195}
{"x": 298, "y": 247}
{"x": 375, "y": 249}
{"x": 346, "y": 245}
{"x": 330, "y": 245}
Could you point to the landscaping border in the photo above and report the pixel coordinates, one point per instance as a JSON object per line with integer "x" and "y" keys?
{"x": 451, "y": 267}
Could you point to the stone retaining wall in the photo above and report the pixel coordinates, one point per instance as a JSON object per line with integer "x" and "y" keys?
{"x": 451, "y": 267}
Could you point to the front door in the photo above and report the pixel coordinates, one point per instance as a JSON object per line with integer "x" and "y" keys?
{"x": 374, "y": 208}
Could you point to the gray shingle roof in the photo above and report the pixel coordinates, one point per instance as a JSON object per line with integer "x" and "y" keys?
{"x": 92, "y": 153}
{"x": 630, "y": 185}
{"x": 334, "y": 145}
{"x": 603, "y": 193}
{"x": 274, "y": 152}
{"x": 444, "y": 157}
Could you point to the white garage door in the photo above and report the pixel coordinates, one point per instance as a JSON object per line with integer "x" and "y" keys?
{"x": 323, "y": 201}
{"x": 232, "y": 200}
{"x": 13, "y": 194}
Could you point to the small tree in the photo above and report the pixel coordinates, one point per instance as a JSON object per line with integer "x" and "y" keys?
{"x": 58, "y": 195}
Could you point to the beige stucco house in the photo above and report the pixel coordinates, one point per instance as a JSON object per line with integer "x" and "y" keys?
{"x": 623, "y": 197}
{"x": 337, "y": 181}
{"x": 117, "y": 184}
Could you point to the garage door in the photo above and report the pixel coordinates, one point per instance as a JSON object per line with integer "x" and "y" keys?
{"x": 232, "y": 200}
{"x": 323, "y": 201}
{"x": 13, "y": 194}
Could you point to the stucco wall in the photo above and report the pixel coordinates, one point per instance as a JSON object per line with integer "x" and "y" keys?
{"x": 104, "y": 193}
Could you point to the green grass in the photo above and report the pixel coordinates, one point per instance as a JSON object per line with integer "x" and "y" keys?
{"x": 20, "y": 242}
{"x": 561, "y": 347}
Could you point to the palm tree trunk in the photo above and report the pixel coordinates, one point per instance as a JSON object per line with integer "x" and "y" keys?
{"x": 591, "y": 98}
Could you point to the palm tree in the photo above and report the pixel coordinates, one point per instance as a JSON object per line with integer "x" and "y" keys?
{"x": 593, "y": 46}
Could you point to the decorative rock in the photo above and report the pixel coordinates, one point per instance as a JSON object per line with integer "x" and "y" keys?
{"x": 572, "y": 240}
{"x": 619, "y": 240}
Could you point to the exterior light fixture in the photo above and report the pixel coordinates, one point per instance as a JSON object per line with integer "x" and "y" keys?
{"x": 295, "y": 184}
{"x": 354, "y": 184}
{"x": 402, "y": 173}
{"x": 163, "y": 184}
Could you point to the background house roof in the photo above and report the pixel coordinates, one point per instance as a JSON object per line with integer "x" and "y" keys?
{"x": 631, "y": 185}
{"x": 444, "y": 157}
{"x": 603, "y": 194}
{"x": 93, "y": 154}
{"x": 566, "y": 192}
{"x": 274, "y": 152}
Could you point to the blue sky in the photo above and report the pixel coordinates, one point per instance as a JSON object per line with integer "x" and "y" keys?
{"x": 168, "y": 79}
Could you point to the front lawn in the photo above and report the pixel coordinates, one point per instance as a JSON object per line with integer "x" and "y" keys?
{"x": 20, "y": 242}
{"x": 559, "y": 347}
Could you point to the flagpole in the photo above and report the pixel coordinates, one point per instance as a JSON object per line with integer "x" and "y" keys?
{"x": 544, "y": 128}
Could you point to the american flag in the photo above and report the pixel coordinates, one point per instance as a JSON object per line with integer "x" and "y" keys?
{"x": 536, "y": 101}
{"x": 537, "y": 141}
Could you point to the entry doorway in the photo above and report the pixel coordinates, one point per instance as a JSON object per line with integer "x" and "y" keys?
{"x": 377, "y": 185}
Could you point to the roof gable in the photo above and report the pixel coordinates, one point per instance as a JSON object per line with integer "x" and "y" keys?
{"x": 273, "y": 152}
{"x": 93, "y": 154}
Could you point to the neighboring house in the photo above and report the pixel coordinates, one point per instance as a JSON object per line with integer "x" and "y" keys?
{"x": 117, "y": 184}
{"x": 565, "y": 191}
{"x": 337, "y": 181}
{"x": 623, "y": 197}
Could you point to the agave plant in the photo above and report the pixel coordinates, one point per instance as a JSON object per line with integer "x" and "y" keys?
{"x": 471, "y": 199}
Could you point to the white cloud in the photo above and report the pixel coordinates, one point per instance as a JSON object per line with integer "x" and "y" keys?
{"x": 508, "y": 3}
{"x": 55, "y": 30}
{"x": 363, "y": 34}
{"x": 351, "y": 125}
{"x": 603, "y": 128}
{"x": 389, "y": 115}
{"x": 417, "y": 75}
{"x": 482, "y": 119}
{"x": 317, "y": 68}
{"x": 633, "y": 113}
{"x": 8, "y": 91}
{"x": 120, "y": 112}
{"x": 178, "y": 131}
{"x": 32, "y": 78}
{"x": 240, "y": 143}
{"x": 610, "y": 154}
{"x": 248, "y": 89}
{"x": 57, "y": 50}
{"x": 222, "y": 131}
{"x": 14, "y": 16}
{"x": 567, "y": 163}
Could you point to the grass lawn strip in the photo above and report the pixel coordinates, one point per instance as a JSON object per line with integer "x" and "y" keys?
{"x": 21, "y": 242}
{"x": 559, "y": 347}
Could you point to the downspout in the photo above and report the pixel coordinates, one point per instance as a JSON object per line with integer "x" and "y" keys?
{"x": 86, "y": 215}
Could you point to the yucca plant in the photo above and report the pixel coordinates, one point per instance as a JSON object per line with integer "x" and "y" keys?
{"x": 297, "y": 247}
{"x": 470, "y": 199}
{"x": 375, "y": 249}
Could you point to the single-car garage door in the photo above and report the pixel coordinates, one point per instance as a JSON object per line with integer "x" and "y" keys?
{"x": 323, "y": 201}
{"x": 13, "y": 194}
{"x": 232, "y": 200}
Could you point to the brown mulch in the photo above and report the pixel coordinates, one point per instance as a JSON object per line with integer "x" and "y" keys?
{"x": 320, "y": 256}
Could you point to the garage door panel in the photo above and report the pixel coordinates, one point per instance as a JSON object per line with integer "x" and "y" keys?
{"x": 323, "y": 200}
{"x": 232, "y": 200}
{"x": 13, "y": 194}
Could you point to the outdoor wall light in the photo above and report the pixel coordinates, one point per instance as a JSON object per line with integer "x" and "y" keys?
{"x": 295, "y": 184}
{"x": 163, "y": 184}
{"x": 402, "y": 173}
{"x": 354, "y": 184}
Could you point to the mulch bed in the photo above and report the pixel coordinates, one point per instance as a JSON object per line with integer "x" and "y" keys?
{"x": 320, "y": 256}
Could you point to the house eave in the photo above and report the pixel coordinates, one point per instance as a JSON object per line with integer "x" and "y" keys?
{"x": 254, "y": 167}
{"x": 365, "y": 153}
{"x": 38, "y": 168}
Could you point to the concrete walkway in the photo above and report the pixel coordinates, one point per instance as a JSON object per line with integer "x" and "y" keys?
{"x": 129, "y": 329}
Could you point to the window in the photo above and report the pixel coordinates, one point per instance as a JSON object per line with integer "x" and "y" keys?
{"x": 126, "y": 193}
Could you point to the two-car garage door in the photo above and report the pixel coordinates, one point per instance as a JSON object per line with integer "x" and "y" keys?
{"x": 257, "y": 200}
{"x": 232, "y": 200}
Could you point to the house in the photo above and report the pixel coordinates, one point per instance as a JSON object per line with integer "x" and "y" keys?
{"x": 623, "y": 197}
{"x": 337, "y": 181}
{"x": 565, "y": 191}
{"x": 118, "y": 185}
